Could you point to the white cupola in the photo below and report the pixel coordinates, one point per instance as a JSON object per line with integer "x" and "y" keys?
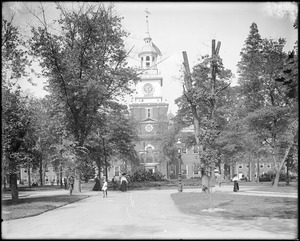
{"x": 150, "y": 52}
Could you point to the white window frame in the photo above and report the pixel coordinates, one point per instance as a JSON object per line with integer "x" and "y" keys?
{"x": 186, "y": 169}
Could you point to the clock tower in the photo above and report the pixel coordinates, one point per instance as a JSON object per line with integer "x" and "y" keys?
{"x": 148, "y": 107}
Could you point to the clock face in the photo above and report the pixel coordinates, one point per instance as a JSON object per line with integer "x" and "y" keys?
{"x": 148, "y": 89}
{"x": 149, "y": 128}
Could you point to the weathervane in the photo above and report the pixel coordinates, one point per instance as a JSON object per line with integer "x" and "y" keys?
{"x": 147, "y": 12}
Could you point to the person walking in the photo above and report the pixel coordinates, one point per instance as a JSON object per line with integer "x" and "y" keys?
{"x": 71, "y": 184}
{"x": 124, "y": 183}
{"x": 219, "y": 179}
{"x": 114, "y": 183}
{"x": 235, "y": 183}
{"x": 104, "y": 188}
{"x": 65, "y": 182}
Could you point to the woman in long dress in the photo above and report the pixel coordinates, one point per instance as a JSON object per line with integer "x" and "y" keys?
{"x": 124, "y": 183}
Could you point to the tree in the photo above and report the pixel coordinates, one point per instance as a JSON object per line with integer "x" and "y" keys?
{"x": 85, "y": 64}
{"x": 267, "y": 111}
{"x": 203, "y": 92}
{"x": 16, "y": 117}
{"x": 249, "y": 69}
{"x": 113, "y": 137}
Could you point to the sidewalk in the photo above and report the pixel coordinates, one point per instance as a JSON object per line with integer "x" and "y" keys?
{"x": 144, "y": 214}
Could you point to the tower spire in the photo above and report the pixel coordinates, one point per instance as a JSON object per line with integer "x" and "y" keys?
{"x": 147, "y": 13}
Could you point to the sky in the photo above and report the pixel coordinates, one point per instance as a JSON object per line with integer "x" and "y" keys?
{"x": 183, "y": 26}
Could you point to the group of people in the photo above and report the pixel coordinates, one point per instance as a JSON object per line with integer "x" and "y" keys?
{"x": 69, "y": 183}
{"x": 123, "y": 185}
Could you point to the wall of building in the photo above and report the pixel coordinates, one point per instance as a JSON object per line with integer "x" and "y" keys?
{"x": 51, "y": 176}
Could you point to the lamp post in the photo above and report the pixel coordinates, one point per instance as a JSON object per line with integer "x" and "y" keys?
{"x": 179, "y": 146}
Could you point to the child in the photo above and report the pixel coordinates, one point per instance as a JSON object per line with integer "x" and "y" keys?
{"x": 104, "y": 188}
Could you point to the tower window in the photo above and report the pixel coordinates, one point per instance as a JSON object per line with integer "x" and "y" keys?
{"x": 148, "y": 112}
{"x": 147, "y": 58}
{"x": 147, "y": 64}
{"x": 142, "y": 58}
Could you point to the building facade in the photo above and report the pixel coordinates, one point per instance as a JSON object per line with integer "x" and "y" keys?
{"x": 149, "y": 109}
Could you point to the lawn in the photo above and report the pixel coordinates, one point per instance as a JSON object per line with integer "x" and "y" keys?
{"x": 236, "y": 206}
{"x": 32, "y": 206}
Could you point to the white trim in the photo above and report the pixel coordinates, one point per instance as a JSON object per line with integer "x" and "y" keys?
{"x": 149, "y": 146}
{"x": 186, "y": 168}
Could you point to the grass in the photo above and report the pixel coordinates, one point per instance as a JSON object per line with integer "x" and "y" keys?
{"x": 236, "y": 206}
{"x": 32, "y": 206}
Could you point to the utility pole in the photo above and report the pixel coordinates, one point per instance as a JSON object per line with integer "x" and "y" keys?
{"x": 187, "y": 89}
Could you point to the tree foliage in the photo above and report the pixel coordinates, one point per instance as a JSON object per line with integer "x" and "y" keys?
{"x": 204, "y": 98}
{"x": 267, "y": 111}
{"x": 85, "y": 64}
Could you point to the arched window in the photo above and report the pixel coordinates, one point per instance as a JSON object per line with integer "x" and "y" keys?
{"x": 147, "y": 58}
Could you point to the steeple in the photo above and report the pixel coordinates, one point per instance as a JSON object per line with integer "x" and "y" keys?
{"x": 149, "y": 52}
{"x": 147, "y": 12}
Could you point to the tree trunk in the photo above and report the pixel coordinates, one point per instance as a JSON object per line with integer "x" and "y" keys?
{"x": 249, "y": 171}
{"x": 276, "y": 180}
{"x": 29, "y": 177}
{"x": 14, "y": 188}
{"x": 4, "y": 181}
{"x": 77, "y": 184}
{"x": 168, "y": 174}
{"x": 61, "y": 176}
{"x": 213, "y": 176}
{"x": 106, "y": 168}
{"x": 287, "y": 173}
{"x": 257, "y": 170}
{"x": 41, "y": 172}
{"x": 278, "y": 167}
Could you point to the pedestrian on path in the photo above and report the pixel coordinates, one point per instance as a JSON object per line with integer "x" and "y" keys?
{"x": 219, "y": 179}
{"x": 235, "y": 183}
{"x": 114, "y": 183}
{"x": 104, "y": 188}
{"x": 71, "y": 184}
{"x": 124, "y": 183}
{"x": 65, "y": 182}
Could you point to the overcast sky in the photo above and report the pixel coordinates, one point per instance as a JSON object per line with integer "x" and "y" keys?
{"x": 186, "y": 26}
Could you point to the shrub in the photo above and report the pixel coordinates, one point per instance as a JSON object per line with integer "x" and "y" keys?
{"x": 144, "y": 175}
{"x": 268, "y": 177}
{"x": 173, "y": 176}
